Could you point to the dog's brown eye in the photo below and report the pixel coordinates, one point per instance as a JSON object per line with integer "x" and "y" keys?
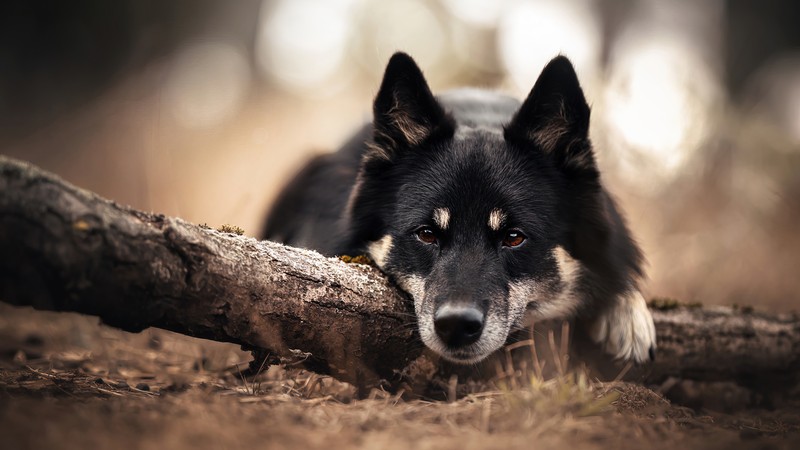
{"x": 513, "y": 238}
{"x": 426, "y": 235}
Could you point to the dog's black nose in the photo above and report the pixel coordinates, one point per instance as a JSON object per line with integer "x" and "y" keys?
{"x": 458, "y": 325}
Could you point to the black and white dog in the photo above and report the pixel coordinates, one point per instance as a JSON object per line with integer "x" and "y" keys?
{"x": 486, "y": 211}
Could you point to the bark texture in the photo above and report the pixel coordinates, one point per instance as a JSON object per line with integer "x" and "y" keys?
{"x": 756, "y": 350}
{"x": 65, "y": 249}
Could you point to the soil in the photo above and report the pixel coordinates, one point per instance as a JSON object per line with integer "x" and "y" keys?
{"x": 68, "y": 382}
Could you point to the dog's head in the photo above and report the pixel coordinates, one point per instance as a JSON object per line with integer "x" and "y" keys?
{"x": 469, "y": 201}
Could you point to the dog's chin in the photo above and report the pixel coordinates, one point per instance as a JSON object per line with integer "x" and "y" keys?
{"x": 467, "y": 355}
{"x": 462, "y": 358}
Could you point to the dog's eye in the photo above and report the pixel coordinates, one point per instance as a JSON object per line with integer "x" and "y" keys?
{"x": 426, "y": 235}
{"x": 513, "y": 238}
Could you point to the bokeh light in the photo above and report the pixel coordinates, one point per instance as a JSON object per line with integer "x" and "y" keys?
{"x": 411, "y": 26}
{"x": 207, "y": 84}
{"x": 658, "y": 105}
{"x": 206, "y": 110}
{"x": 531, "y": 33}
{"x": 300, "y": 44}
{"x": 480, "y": 13}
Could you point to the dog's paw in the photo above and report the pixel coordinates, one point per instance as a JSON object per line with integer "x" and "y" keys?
{"x": 626, "y": 330}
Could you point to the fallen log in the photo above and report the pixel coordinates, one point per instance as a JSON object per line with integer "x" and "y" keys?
{"x": 65, "y": 249}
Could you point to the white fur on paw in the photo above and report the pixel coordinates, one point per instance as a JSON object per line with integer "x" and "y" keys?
{"x": 626, "y": 329}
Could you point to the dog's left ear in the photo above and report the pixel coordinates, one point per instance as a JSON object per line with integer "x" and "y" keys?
{"x": 555, "y": 118}
{"x": 406, "y": 114}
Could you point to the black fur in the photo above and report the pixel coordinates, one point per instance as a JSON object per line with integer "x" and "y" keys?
{"x": 470, "y": 152}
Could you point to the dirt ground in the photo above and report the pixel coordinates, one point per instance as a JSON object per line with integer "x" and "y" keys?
{"x": 68, "y": 382}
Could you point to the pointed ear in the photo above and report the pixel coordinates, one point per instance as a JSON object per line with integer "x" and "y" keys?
{"x": 555, "y": 117}
{"x": 405, "y": 112}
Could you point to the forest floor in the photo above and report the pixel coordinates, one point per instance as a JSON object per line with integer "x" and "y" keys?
{"x": 67, "y": 382}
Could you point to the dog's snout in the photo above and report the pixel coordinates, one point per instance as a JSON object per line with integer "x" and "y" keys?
{"x": 458, "y": 326}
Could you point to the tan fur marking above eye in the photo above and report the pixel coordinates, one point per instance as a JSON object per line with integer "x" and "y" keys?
{"x": 496, "y": 219}
{"x": 441, "y": 216}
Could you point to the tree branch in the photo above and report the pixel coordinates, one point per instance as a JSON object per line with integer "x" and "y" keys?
{"x": 65, "y": 249}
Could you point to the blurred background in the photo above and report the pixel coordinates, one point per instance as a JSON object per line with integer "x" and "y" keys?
{"x": 204, "y": 109}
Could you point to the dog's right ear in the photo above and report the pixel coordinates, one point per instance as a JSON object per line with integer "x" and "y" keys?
{"x": 406, "y": 114}
{"x": 555, "y": 118}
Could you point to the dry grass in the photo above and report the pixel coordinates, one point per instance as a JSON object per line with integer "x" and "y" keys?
{"x": 67, "y": 383}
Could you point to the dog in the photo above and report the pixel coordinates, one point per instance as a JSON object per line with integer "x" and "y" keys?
{"x": 486, "y": 210}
